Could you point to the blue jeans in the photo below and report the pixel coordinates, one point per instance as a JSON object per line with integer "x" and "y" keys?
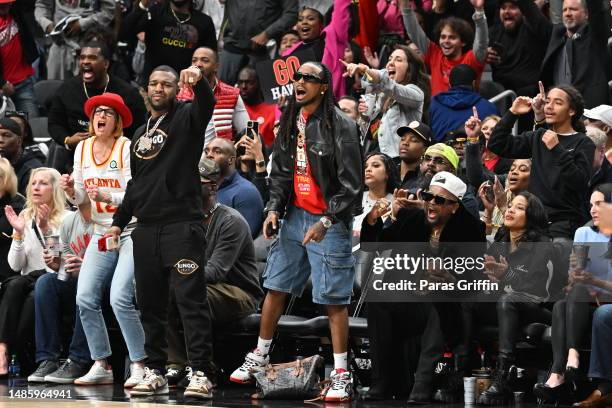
{"x": 53, "y": 299}
{"x": 24, "y": 98}
{"x": 100, "y": 269}
{"x": 601, "y": 359}
{"x": 329, "y": 263}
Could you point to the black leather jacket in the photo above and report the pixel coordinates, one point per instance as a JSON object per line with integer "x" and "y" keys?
{"x": 336, "y": 163}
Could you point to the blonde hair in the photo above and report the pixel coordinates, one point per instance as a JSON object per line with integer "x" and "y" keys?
{"x": 58, "y": 198}
{"x": 117, "y": 131}
{"x": 8, "y": 178}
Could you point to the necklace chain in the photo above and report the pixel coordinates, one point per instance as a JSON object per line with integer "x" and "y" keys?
{"x": 148, "y": 132}
{"x": 178, "y": 19}
{"x": 105, "y": 86}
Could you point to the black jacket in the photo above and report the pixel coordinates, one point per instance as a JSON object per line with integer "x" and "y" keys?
{"x": 17, "y": 202}
{"x": 247, "y": 18}
{"x": 412, "y": 226}
{"x": 559, "y": 177}
{"x": 336, "y": 163}
{"x": 477, "y": 173}
{"x": 23, "y": 166}
{"x": 587, "y": 56}
{"x": 165, "y": 185}
{"x": 530, "y": 266}
{"x": 521, "y": 59}
{"x": 28, "y": 45}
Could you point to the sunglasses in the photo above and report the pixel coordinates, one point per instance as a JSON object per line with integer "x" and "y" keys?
{"x": 104, "y": 112}
{"x": 19, "y": 114}
{"x": 307, "y": 78}
{"x": 439, "y": 200}
{"x": 437, "y": 160}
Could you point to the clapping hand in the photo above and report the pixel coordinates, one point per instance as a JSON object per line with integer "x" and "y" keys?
{"x": 380, "y": 208}
{"x": 43, "y": 214}
{"x": 96, "y": 195}
{"x": 16, "y": 221}
{"x": 494, "y": 270}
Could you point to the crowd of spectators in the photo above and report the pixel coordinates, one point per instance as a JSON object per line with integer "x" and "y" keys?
{"x": 478, "y": 120}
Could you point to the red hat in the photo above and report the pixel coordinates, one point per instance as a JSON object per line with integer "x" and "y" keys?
{"x": 111, "y": 100}
{"x": 7, "y": 1}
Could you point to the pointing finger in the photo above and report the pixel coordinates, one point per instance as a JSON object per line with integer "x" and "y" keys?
{"x": 475, "y": 112}
{"x": 542, "y": 91}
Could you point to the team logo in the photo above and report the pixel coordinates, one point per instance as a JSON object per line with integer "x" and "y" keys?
{"x": 150, "y": 144}
{"x": 186, "y": 266}
{"x": 113, "y": 164}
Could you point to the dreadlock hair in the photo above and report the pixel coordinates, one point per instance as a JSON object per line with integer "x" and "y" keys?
{"x": 287, "y": 123}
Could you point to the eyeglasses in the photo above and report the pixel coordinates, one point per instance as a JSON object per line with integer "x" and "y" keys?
{"x": 439, "y": 200}
{"x": 307, "y": 78}
{"x": 104, "y": 112}
{"x": 436, "y": 160}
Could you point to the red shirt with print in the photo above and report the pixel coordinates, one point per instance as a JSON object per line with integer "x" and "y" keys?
{"x": 307, "y": 193}
{"x": 440, "y": 67}
{"x": 15, "y": 69}
{"x": 265, "y": 114}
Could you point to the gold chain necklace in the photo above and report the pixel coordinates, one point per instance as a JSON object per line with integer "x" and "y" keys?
{"x": 105, "y": 86}
{"x": 178, "y": 19}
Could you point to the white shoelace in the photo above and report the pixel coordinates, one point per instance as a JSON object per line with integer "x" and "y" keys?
{"x": 172, "y": 371}
{"x": 250, "y": 363}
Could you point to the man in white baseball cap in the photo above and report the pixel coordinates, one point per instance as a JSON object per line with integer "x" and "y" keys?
{"x": 601, "y": 118}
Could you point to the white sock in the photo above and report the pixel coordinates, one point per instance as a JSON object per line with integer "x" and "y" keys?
{"x": 263, "y": 346}
{"x": 341, "y": 360}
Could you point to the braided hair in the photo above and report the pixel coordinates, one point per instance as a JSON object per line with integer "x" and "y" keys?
{"x": 288, "y": 118}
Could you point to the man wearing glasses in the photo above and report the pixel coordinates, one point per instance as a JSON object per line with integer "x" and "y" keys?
{"x": 316, "y": 186}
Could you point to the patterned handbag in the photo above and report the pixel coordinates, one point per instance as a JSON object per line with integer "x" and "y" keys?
{"x": 294, "y": 380}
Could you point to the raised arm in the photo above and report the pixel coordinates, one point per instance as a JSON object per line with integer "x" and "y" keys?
{"x": 408, "y": 95}
{"x": 414, "y": 30}
{"x": 481, "y": 37}
{"x": 102, "y": 17}
{"x": 203, "y": 102}
{"x": 43, "y": 13}
{"x": 535, "y": 19}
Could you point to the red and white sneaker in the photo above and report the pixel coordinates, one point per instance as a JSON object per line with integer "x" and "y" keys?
{"x": 252, "y": 362}
{"x": 341, "y": 388}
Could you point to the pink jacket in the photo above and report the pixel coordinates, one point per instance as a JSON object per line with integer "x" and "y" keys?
{"x": 336, "y": 41}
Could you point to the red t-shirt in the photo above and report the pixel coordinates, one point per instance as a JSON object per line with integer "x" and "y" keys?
{"x": 307, "y": 193}
{"x": 15, "y": 69}
{"x": 491, "y": 163}
{"x": 265, "y": 114}
{"x": 440, "y": 67}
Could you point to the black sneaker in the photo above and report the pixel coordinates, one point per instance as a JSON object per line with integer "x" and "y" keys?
{"x": 67, "y": 372}
{"x": 186, "y": 380}
{"x": 174, "y": 376}
{"x": 44, "y": 368}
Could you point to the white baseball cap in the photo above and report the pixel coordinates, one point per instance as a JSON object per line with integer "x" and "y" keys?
{"x": 601, "y": 112}
{"x": 450, "y": 183}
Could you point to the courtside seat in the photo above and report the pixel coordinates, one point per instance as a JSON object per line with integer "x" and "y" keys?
{"x": 358, "y": 326}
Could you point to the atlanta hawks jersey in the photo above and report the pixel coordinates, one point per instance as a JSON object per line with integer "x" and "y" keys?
{"x": 111, "y": 176}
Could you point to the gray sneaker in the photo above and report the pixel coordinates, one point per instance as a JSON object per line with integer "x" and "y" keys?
{"x": 96, "y": 375}
{"x": 67, "y": 373}
{"x": 44, "y": 368}
{"x": 199, "y": 386}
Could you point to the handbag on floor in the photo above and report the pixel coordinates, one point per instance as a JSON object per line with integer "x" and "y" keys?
{"x": 294, "y": 380}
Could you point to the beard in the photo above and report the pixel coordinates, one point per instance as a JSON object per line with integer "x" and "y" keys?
{"x": 161, "y": 105}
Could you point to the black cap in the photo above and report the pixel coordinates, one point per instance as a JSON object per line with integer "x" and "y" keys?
{"x": 11, "y": 125}
{"x": 209, "y": 170}
{"x": 462, "y": 75}
{"x": 452, "y": 135}
{"x": 418, "y": 128}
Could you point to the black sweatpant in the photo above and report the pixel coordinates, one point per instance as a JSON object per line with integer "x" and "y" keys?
{"x": 170, "y": 257}
{"x": 570, "y": 322}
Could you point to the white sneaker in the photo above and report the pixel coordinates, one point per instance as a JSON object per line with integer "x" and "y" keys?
{"x": 252, "y": 362}
{"x": 137, "y": 373}
{"x": 153, "y": 383}
{"x": 341, "y": 388}
{"x": 96, "y": 375}
{"x": 199, "y": 386}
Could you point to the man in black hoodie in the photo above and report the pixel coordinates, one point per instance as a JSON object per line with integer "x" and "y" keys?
{"x": 11, "y": 147}
{"x": 165, "y": 196}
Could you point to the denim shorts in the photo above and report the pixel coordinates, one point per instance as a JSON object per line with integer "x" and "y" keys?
{"x": 329, "y": 263}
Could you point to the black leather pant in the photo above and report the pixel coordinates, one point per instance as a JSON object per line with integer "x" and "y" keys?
{"x": 513, "y": 312}
{"x": 571, "y": 321}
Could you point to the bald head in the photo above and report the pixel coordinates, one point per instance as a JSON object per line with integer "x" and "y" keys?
{"x": 223, "y": 152}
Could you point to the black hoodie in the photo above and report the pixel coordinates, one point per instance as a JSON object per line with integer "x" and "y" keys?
{"x": 30, "y": 159}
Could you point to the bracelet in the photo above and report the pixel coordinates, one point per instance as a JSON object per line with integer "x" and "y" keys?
{"x": 66, "y": 142}
{"x": 473, "y": 139}
{"x": 14, "y": 237}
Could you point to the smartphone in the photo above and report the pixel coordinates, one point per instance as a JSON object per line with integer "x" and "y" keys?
{"x": 107, "y": 243}
{"x": 499, "y": 48}
{"x": 489, "y": 192}
{"x": 252, "y": 128}
{"x": 270, "y": 230}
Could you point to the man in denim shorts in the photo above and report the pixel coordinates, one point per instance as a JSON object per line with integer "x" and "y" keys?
{"x": 316, "y": 186}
